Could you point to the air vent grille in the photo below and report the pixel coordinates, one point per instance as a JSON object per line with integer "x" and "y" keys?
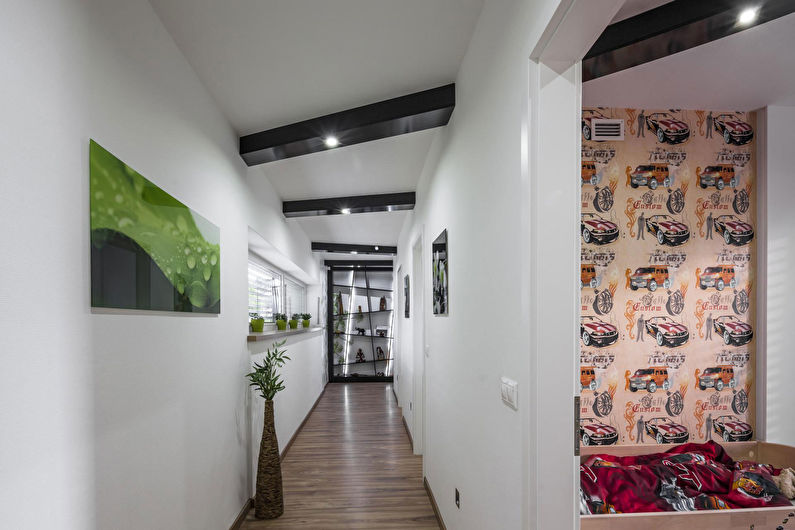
{"x": 608, "y": 129}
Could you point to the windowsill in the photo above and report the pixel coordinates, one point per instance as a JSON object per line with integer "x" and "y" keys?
{"x": 275, "y": 333}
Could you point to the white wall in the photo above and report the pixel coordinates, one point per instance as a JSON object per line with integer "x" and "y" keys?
{"x": 120, "y": 420}
{"x": 475, "y": 190}
{"x": 780, "y": 305}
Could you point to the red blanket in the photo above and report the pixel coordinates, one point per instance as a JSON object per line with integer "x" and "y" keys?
{"x": 687, "y": 477}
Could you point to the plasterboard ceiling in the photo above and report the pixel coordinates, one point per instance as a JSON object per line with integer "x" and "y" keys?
{"x": 274, "y": 62}
{"x": 389, "y": 165}
{"x": 636, "y": 7}
{"x": 381, "y": 228}
{"x": 744, "y": 71}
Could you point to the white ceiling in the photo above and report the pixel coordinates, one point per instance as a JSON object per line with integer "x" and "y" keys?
{"x": 382, "y": 166}
{"x": 269, "y": 63}
{"x": 274, "y": 62}
{"x": 744, "y": 71}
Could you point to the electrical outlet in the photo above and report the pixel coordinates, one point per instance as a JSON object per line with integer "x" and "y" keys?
{"x": 509, "y": 390}
{"x": 457, "y": 499}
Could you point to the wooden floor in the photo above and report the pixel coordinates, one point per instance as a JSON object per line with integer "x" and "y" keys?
{"x": 352, "y": 467}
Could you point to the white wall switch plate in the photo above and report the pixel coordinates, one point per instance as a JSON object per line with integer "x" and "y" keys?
{"x": 510, "y": 392}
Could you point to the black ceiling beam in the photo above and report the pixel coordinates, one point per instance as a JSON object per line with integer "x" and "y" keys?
{"x": 406, "y": 114}
{"x": 372, "y": 264}
{"x": 353, "y": 249}
{"x": 385, "y": 202}
{"x": 672, "y": 28}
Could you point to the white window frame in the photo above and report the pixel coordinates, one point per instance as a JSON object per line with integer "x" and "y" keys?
{"x": 283, "y": 279}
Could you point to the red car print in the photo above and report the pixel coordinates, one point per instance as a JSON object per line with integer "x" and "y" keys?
{"x": 734, "y": 230}
{"x": 733, "y": 330}
{"x": 593, "y": 432}
{"x": 667, "y": 128}
{"x": 733, "y": 129}
{"x": 668, "y": 230}
{"x": 731, "y": 429}
{"x": 667, "y": 331}
{"x": 665, "y": 431}
{"x": 587, "y": 125}
{"x": 595, "y": 332}
{"x": 594, "y": 229}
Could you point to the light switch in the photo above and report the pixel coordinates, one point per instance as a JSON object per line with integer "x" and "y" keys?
{"x": 510, "y": 392}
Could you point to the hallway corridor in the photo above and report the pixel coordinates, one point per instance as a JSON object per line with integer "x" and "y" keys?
{"x": 352, "y": 467}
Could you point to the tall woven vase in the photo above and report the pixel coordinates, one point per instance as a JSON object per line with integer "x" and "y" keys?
{"x": 268, "y": 502}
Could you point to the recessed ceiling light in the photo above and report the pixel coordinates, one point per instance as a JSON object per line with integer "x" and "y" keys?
{"x": 345, "y": 211}
{"x": 354, "y": 252}
{"x": 376, "y": 247}
{"x": 331, "y": 141}
{"x": 748, "y": 16}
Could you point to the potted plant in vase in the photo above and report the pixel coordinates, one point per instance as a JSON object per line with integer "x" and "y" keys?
{"x": 268, "y": 499}
{"x": 294, "y": 321}
{"x": 306, "y": 318}
{"x": 257, "y": 323}
{"x": 281, "y": 321}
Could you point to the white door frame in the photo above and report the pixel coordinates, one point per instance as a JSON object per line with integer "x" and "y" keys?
{"x": 553, "y": 147}
{"x": 418, "y": 346}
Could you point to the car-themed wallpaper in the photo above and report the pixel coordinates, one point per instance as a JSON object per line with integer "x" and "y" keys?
{"x": 667, "y": 277}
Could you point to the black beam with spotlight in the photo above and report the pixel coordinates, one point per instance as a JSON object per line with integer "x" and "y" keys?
{"x": 672, "y": 28}
{"x": 358, "y": 264}
{"x": 345, "y": 248}
{"x": 406, "y": 114}
{"x": 385, "y": 202}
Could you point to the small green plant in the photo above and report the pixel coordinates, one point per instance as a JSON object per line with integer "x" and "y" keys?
{"x": 296, "y": 316}
{"x": 337, "y": 347}
{"x": 280, "y": 316}
{"x": 305, "y": 316}
{"x": 265, "y": 376}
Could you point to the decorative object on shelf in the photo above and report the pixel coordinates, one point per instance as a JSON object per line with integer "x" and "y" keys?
{"x": 381, "y": 331}
{"x": 338, "y": 352}
{"x": 281, "y": 321}
{"x": 379, "y": 352}
{"x": 380, "y": 374}
{"x": 338, "y": 304}
{"x": 294, "y": 321}
{"x": 359, "y": 315}
{"x": 269, "y": 500}
{"x": 148, "y": 250}
{"x": 439, "y": 273}
{"x": 382, "y": 304}
{"x": 406, "y": 296}
{"x": 360, "y": 331}
{"x": 360, "y": 356}
{"x": 305, "y": 319}
{"x": 257, "y": 323}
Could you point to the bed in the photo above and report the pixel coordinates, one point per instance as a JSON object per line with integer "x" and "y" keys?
{"x": 779, "y": 456}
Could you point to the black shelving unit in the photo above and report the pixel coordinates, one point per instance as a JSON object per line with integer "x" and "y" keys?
{"x": 358, "y": 289}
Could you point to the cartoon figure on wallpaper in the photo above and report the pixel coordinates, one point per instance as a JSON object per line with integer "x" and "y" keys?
{"x": 717, "y": 377}
{"x": 641, "y": 426}
{"x": 651, "y": 278}
{"x": 667, "y": 332}
{"x": 719, "y": 176}
{"x": 709, "y": 125}
{"x": 650, "y": 175}
{"x": 641, "y": 226}
{"x": 148, "y": 250}
{"x": 594, "y": 432}
{"x": 595, "y": 229}
{"x": 732, "y": 429}
{"x": 665, "y": 431}
{"x": 708, "y": 424}
{"x": 439, "y": 270}
{"x": 595, "y": 332}
{"x": 710, "y": 222}
{"x": 650, "y": 379}
{"x": 641, "y": 327}
{"x": 641, "y": 124}
{"x": 708, "y": 335}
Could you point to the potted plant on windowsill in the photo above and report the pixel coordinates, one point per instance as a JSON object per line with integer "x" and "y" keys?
{"x": 294, "y": 321}
{"x": 268, "y": 499}
{"x": 257, "y": 323}
{"x": 306, "y": 317}
{"x": 281, "y": 321}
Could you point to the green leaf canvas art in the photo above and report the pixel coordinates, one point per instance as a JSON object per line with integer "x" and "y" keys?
{"x": 148, "y": 250}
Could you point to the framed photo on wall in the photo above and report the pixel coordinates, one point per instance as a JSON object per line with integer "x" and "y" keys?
{"x": 406, "y": 296}
{"x": 439, "y": 272}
